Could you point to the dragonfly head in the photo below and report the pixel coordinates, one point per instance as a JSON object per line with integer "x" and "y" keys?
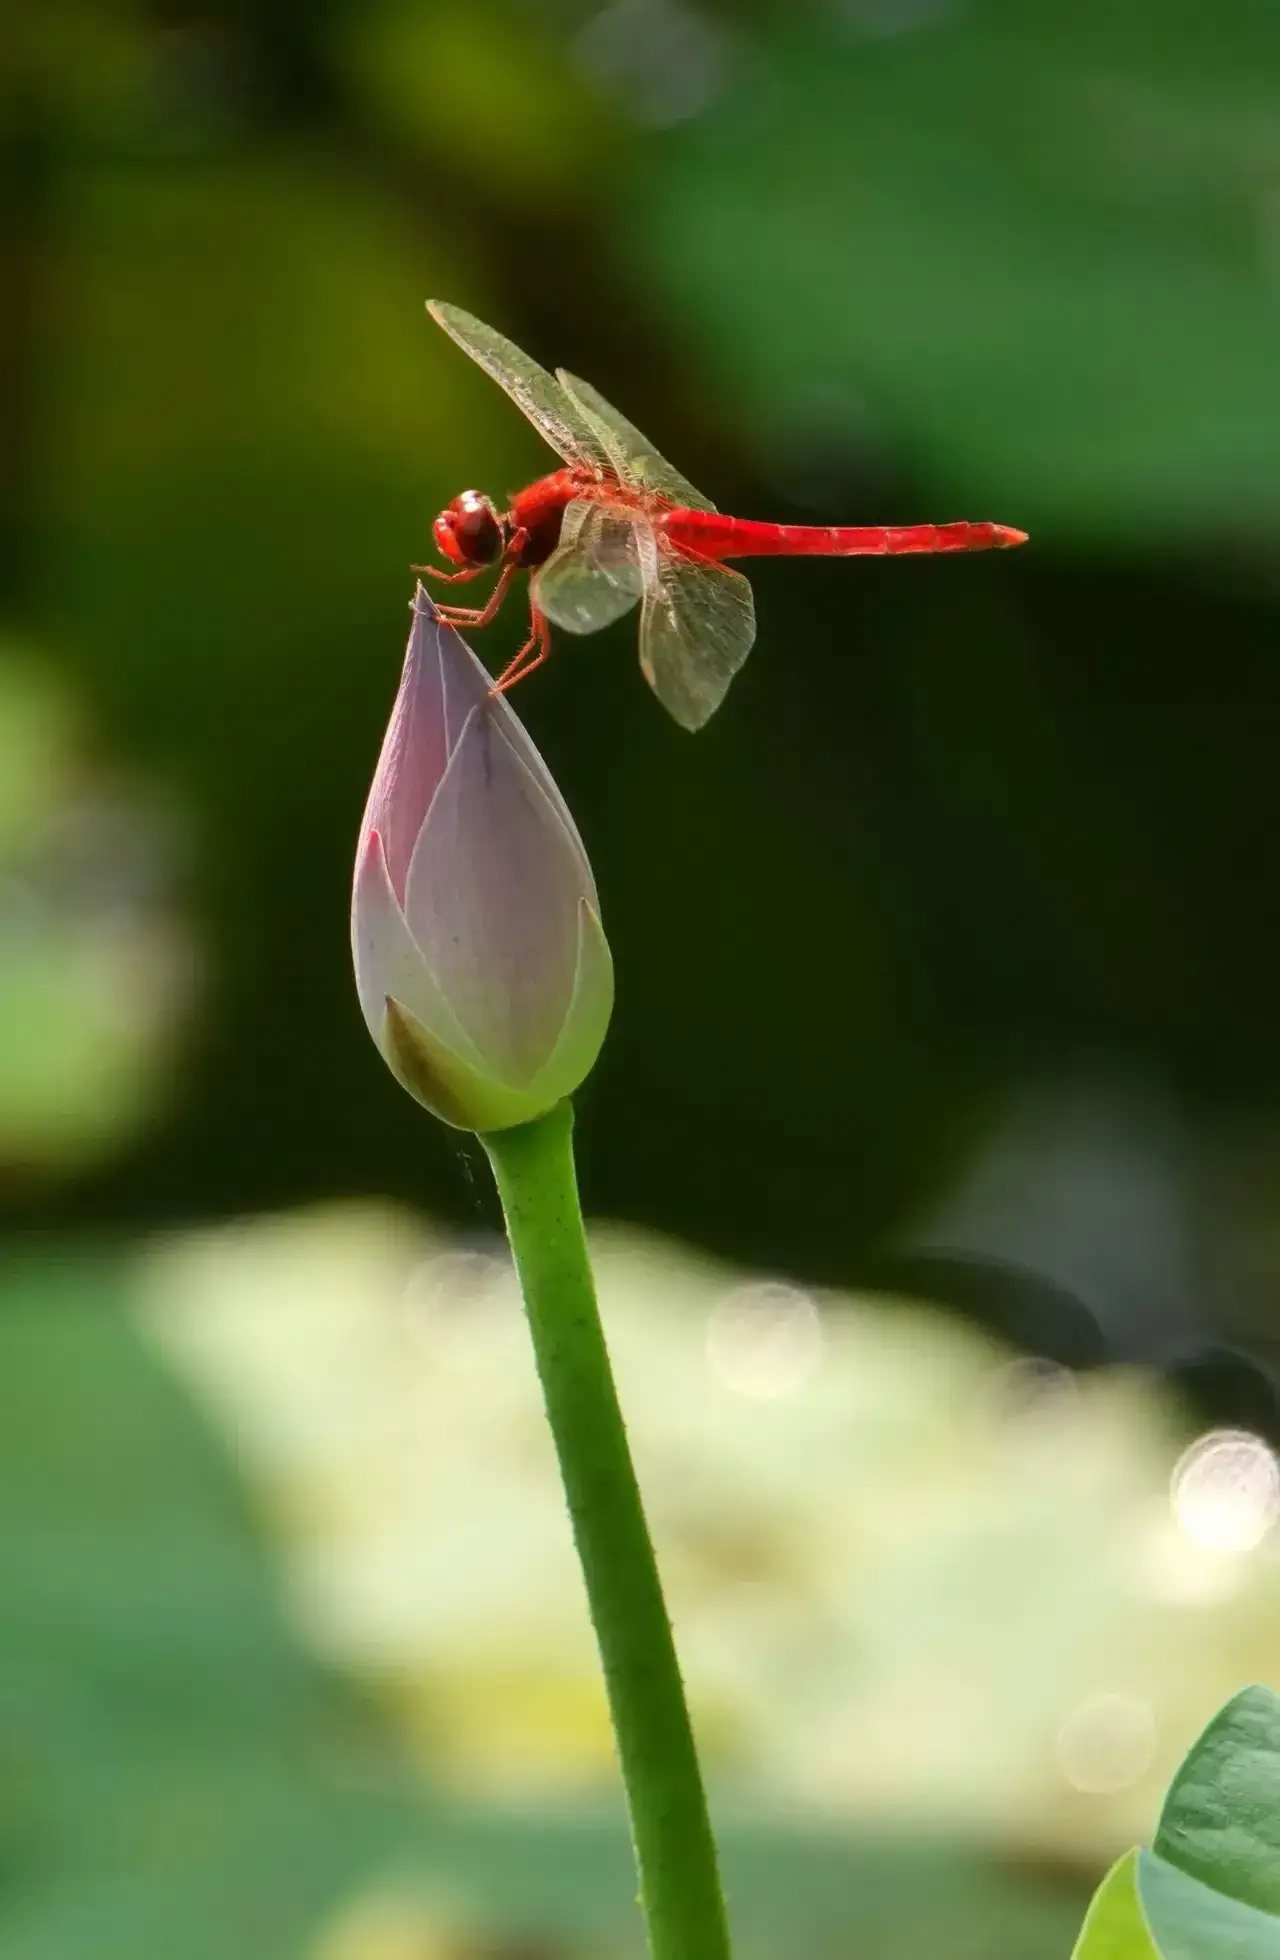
{"x": 469, "y": 531}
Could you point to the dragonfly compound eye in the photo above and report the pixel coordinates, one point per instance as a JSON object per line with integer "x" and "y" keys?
{"x": 468, "y": 531}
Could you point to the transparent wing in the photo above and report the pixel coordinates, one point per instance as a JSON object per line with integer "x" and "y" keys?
{"x": 696, "y": 628}
{"x": 593, "y": 576}
{"x": 537, "y": 394}
{"x": 632, "y": 455}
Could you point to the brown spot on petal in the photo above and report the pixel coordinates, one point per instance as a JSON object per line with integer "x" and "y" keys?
{"x": 415, "y": 1070}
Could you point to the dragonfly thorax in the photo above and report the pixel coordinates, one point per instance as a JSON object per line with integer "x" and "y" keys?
{"x": 469, "y": 531}
{"x": 537, "y": 513}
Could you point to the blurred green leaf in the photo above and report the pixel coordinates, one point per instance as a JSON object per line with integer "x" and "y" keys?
{"x": 93, "y": 963}
{"x": 792, "y": 1889}
{"x": 1035, "y": 247}
{"x": 481, "y": 87}
{"x": 37, "y": 724}
{"x": 84, "y": 60}
{"x": 256, "y": 422}
{"x": 178, "y": 1776}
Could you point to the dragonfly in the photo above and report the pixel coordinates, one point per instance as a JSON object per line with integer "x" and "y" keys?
{"x": 618, "y": 526}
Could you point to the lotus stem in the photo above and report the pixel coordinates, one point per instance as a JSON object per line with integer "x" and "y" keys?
{"x": 680, "y": 1889}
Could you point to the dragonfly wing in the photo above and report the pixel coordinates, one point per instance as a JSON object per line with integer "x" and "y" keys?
{"x": 632, "y": 455}
{"x": 554, "y": 414}
{"x": 593, "y": 576}
{"x": 696, "y": 629}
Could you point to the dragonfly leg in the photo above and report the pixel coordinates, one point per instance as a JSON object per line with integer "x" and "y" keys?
{"x": 481, "y": 615}
{"x": 448, "y": 578}
{"x": 522, "y": 666}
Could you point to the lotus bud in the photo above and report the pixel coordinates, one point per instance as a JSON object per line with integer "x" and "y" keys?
{"x": 481, "y": 964}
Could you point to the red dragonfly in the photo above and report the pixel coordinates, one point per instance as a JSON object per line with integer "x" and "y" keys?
{"x": 618, "y": 525}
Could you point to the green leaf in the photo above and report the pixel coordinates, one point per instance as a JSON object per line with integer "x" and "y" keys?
{"x": 1114, "y": 1928}
{"x": 1210, "y": 1889}
{"x": 1221, "y": 1818}
{"x": 1191, "y": 1921}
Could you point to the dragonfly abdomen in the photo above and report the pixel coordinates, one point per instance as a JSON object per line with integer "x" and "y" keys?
{"x": 713, "y": 536}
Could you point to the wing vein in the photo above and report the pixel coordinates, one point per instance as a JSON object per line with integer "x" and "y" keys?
{"x": 537, "y": 394}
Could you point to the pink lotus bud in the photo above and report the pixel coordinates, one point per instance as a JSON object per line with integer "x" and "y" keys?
{"x": 481, "y": 963}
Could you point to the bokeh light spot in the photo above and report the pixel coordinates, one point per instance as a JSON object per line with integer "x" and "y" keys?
{"x": 465, "y": 1279}
{"x": 1106, "y": 1743}
{"x": 764, "y": 1340}
{"x": 1226, "y": 1490}
{"x": 666, "y": 61}
{"x": 1032, "y": 1385}
{"x": 884, "y": 19}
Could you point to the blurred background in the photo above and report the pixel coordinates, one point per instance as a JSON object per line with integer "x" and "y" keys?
{"x": 938, "y": 1131}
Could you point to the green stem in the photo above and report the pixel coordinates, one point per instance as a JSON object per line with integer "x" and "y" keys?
{"x": 679, "y": 1879}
